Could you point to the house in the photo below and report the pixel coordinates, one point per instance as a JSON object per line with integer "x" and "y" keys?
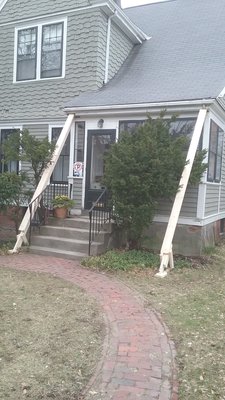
{"x": 106, "y": 68}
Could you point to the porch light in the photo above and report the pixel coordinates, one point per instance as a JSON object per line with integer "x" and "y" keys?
{"x": 100, "y": 123}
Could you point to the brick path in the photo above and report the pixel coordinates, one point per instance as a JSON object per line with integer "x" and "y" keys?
{"x": 138, "y": 356}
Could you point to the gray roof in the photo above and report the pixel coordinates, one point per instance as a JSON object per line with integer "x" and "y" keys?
{"x": 183, "y": 60}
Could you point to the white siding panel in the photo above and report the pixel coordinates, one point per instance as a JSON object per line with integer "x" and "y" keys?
{"x": 212, "y": 199}
{"x": 189, "y": 208}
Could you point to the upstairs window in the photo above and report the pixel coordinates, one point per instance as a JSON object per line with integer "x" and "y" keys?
{"x": 215, "y": 153}
{"x": 40, "y": 52}
{"x": 26, "y": 54}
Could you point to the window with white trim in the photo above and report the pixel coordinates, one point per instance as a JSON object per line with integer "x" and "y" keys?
{"x": 6, "y": 166}
{"x": 215, "y": 153}
{"x": 40, "y": 52}
{"x": 61, "y": 171}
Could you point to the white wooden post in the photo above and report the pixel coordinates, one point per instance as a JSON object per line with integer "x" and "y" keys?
{"x": 166, "y": 254}
{"x": 24, "y": 226}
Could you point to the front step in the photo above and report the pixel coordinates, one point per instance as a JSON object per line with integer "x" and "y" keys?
{"x": 66, "y": 238}
{"x": 46, "y": 251}
{"x": 65, "y": 232}
{"x": 71, "y": 222}
{"x": 63, "y": 243}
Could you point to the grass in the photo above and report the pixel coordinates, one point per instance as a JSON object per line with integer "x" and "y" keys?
{"x": 50, "y": 337}
{"x": 127, "y": 260}
{"x": 192, "y": 303}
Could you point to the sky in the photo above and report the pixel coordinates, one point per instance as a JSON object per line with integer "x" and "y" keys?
{"x": 130, "y": 3}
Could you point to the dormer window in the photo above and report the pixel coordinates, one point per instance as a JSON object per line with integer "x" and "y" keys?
{"x": 40, "y": 52}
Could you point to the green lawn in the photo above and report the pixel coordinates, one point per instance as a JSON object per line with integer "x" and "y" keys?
{"x": 51, "y": 336}
{"x": 192, "y": 303}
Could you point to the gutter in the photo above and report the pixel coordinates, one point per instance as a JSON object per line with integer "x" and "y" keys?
{"x": 128, "y": 22}
{"x": 154, "y": 106}
{"x": 108, "y": 48}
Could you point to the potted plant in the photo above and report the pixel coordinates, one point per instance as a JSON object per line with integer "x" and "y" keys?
{"x": 61, "y": 204}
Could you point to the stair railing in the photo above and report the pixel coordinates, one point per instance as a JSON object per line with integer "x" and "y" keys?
{"x": 99, "y": 214}
{"x": 44, "y": 181}
{"x": 41, "y": 207}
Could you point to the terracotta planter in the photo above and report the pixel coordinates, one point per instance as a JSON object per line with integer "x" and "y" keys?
{"x": 60, "y": 212}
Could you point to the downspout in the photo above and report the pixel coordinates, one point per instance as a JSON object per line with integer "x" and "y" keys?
{"x": 108, "y": 49}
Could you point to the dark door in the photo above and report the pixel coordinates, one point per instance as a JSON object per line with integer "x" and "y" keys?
{"x": 98, "y": 143}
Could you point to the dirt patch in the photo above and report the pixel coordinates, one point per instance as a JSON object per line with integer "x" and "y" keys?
{"x": 51, "y": 337}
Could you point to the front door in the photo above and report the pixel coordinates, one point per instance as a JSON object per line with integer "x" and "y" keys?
{"x": 98, "y": 143}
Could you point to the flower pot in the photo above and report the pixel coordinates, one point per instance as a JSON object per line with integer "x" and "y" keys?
{"x": 60, "y": 212}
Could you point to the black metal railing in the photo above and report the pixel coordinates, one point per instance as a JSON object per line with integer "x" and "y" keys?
{"x": 41, "y": 207}
{"x": 99, "y": 214}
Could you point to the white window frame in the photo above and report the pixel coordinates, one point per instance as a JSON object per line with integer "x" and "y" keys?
{"x": 221, "y": 126}
{"x": 39, "y": 27}
{"x": 50, "y": 128}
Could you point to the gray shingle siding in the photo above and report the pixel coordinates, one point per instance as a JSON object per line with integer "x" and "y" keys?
{"x": 101, "y": 51}
{"x": 120, "y": 47}
{"x": 39, "y": 131}
{"x": 46, "y": 98}
{"x": 22, "y": 9}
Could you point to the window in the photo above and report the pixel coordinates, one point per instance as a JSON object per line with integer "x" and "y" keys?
{"x": 130, "y": 126}
{"x": 177, "y": 127}
{"x": 11, "y": 166}
{"x": 184, "y": 126}
{"x": 61, "y": 171}
{"x": 26, "y": 54}
{"x": 215, "y": 153}
{"x": 40, "y": 52}
{"x": 79, "y": 142}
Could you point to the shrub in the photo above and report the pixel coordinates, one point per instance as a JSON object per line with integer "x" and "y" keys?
{"x": 13, "y": 194}
{"x": 141, "y": 168}
{"x": 62, "y": 201}
{"x": 22, "y": 146}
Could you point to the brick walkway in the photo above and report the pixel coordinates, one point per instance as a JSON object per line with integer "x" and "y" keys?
{"x": 138, "y": 356}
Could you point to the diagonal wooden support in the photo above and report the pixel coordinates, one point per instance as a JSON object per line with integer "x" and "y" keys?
{"x": 24, "y": 226}
{"x": 166, "y": 254}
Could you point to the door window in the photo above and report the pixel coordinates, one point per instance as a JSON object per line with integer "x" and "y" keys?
{"x": 100, "y": 144}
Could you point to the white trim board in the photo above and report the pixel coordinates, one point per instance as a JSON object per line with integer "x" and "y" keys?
{"x": 190, "y": 221}
{"x": 192, "y": 105}
{"x": 56, "y": 14}
{"x": 2, "y": 3}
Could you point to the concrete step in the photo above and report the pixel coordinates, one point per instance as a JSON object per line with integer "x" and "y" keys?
{"x": 46, "y": 251}
{"x": 71, "y": 222}
{"x": 68, "y": 238}
{"x": 54, "y": 242}
{"x": 66, "y": 232}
